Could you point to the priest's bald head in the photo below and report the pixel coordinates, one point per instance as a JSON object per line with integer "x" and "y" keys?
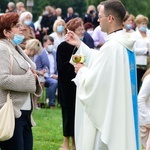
{"x": 111, "y": 15}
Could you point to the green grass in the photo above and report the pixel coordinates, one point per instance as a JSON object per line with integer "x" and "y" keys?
{"x": 48, "y": 130}
{"x": 47, "y": 133}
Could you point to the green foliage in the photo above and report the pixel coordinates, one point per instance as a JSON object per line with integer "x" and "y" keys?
{"x": 137, "y": 7}
{"x": 133, "y": 6}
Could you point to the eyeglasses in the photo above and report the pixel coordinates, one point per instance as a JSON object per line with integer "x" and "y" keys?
{"x": 80, "y": 30}
{"x": 99, "y": 16}
{"x": 18, "y": 25}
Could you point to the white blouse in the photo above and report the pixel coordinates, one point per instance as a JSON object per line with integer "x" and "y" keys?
{"x": 141, "y": 47}
{"x": 57, "y": 39}
{"x": 144, "y": 102}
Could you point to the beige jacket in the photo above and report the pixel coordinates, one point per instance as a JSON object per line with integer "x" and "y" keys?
{"x": 21, "y": 81}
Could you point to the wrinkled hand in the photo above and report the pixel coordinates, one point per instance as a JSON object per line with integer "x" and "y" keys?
{"x": 77, "y": 67}
{"x": 72, "y": 39}
{"x": 42, "y": 72}
{"x": 54, "y": 76}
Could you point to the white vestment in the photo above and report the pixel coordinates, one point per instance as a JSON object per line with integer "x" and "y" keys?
{"x": 104, "y": 117}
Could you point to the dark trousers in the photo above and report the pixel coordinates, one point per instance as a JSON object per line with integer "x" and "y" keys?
{"x": 140, "y": 73}
{"x": 51, "y": 87}
{"x": 22, "y": 138}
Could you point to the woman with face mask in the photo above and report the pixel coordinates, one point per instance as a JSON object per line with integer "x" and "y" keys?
{"x": 28, "y": 32}
{"x": 58, "y": 32}
{"x": 141, "y": 46}
{"x": 34, "y": 47}
{"x": 22, "y": 83}
{"x": 127, "y": 24}
{"x": 66, "y": 87}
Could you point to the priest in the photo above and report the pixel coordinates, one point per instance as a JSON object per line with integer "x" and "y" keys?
{"x": 106, "y": 115}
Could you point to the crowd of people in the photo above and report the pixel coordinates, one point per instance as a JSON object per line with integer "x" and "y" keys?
{"x": 96, "y": 67}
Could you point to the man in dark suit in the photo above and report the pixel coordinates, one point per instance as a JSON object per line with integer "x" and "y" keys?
{"x": 70, "y": 14}
{"x": 47, "y": 60}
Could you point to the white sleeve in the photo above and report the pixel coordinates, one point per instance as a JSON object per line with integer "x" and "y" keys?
{"x": 143, "y": 101}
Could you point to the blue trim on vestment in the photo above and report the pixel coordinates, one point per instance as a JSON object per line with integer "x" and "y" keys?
{"x": 132, "y": 64}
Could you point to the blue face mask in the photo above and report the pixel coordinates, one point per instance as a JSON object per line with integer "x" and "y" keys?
{"x": 142, "y": 28}
{"x": 128, "y": 26}
{"x": 50, "y": 48}
{"x": 27, "y": 22}
{"x": 60, "y": 29}
{"x": 18, "y": 39}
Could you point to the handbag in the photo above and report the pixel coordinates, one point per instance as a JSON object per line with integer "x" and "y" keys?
{"x": 7, "y": 117}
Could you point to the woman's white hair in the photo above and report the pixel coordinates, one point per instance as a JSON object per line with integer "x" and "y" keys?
{"x": 23, "y": 16}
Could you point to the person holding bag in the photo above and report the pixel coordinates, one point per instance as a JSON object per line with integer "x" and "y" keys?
{"x": 20, "y": 81}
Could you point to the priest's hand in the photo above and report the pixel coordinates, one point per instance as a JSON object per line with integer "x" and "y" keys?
{"x": 78, "y": 66}
{"x": 72, "y": 39}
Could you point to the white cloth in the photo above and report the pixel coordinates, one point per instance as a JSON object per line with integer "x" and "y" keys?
{"x": 104, "y": 98}
{"x": 51, "y": 61}
{"x": 57, "y": 39}
{"x": 144, "y": 102}
{"x": 27, "y": 104}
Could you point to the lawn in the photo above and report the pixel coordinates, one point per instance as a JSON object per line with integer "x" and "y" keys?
{"x": 48, "y": 130}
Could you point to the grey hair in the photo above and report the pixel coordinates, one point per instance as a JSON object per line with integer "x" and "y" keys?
{"x": 23, "y": 15}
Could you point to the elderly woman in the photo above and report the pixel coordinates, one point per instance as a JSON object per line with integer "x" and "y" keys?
{"x": 141, "y": 46}
{"x": 127, "y": 24}
{"x": 22, "y": 83}
{"x": 32, "y": 48}
{"x": 67, "y": 88}
{"x": 28, "y": 32}
{"x": 59, "y": 31}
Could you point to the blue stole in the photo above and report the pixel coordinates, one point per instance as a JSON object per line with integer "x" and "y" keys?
{"x": 133, "y": 78}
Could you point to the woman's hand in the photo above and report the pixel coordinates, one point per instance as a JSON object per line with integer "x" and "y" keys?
{"x": 34, "y": 73}
{"x": 54, "y": 76}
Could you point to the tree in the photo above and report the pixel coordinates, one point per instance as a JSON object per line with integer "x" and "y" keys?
{"x": 133, "y": 6}
{"x": 78, "y": 5}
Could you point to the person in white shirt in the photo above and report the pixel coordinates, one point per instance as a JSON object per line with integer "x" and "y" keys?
{"x": 58, "y": 32}
{"x": 144, "y": 110}
{"x": 141, "y": 46}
